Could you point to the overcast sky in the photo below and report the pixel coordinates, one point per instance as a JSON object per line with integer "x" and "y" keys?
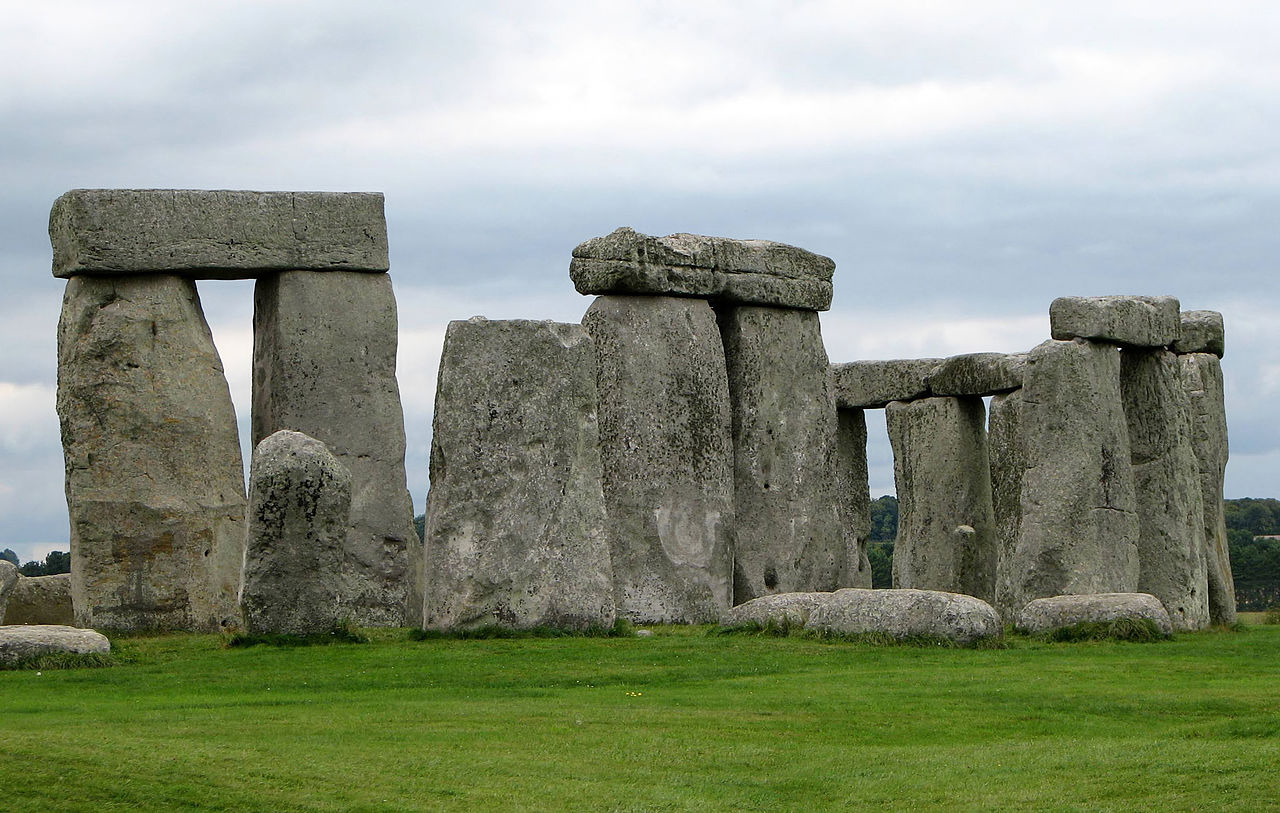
{"x": 963, "y": 164}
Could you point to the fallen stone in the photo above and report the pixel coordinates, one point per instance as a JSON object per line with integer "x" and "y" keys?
{"x": 980, "y": 374}
{"x": 779, "y": 609}
{"x": 1134, "y": 321}
{"x": 215, "y": 234}
{"x": 154, "y": 480}
{"x": 750, "y": 272}
{"x": 1055, "y": 612}
{"x": 906, "y": 614}
{"x": 1171, "y": 532}
{"x": 1202, "y": 332}
{"x": 1008, "y": 464}
{"x": 946, "y": 526}
{"x": 324, "y": 364}
{"x": 873, "y": 384}
{"x": 32, "y": 640}
{"x": 855, "y": 495}
{"x": 299, "y": 502}
{"x": 40, "y": 600}
{"x": 667, "y": 451}
{"x": 787, "y": 494}
{"x": 515, "y": 527}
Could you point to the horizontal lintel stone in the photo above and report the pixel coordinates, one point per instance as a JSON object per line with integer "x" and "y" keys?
{"x": 1135, "y": 321}
{"x": 216, "y": 234}
{"x": 873, "y": 384}
{"x": 1202, "y": 332}
{"x": 980, "y": 374}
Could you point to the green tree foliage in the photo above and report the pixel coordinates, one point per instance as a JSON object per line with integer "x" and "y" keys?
{"x": 10, "y": 556}
{"x": 1255, "y": 563}
{"x": 420, "y": 525}
{"x": 881, "y": 556}
{"x": 884, "y": 519}
{"x": 1258, "y": 517}
{"x": 54, "y": 563}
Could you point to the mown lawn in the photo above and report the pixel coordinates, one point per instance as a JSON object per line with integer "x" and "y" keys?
{"x": 678, "y": 721}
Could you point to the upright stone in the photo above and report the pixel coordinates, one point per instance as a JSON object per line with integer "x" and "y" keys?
{"x": 40, "y": 600}
{"x": 299, "y": 501}
{"x": 1171, "y": 541}
{"x": 515, "y": 527}
{"x": 667, "y": 451}
{"x": 946, "y": 528}
{"x": 855, "y": 495}
{"x": 1202, "y": 379}
{"x": 324, "y": 364}
{"x": 1008, "y": 464}
{"x": 1079, "y": 529}
{"x": 8, "y": 579}
{"x": 155, "y": 484}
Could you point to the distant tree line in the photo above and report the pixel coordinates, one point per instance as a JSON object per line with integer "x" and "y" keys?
{"x": 54, "y": 563}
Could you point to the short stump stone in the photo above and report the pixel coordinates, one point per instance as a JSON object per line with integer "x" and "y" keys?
{"x": 1048, "y": 614}
{"x": 27, "y": 641}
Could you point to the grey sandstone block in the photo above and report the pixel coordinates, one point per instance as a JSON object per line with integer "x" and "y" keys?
{"x": 1135, "y": 321}
{"x": 979, "y": 374}
{"x": 854, "y": 495}
{"x": 906, "y": 614}
{"x": 40, "y": 600}
{"x": 1202, "y": 332}
{"x": 1008, "y": 465}
{"x": 216, "y": 234}
{"x": 873, "y": 384}
{"x": 1054, "y": 612}
{"x": 31, "y": 640}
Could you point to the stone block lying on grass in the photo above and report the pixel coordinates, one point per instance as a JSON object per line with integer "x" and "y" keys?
{"x": 39, "y": 600}
{"x": 779, "y": 609}
{"x": 1047, "y": 614}
{"x": 19, "y": 642}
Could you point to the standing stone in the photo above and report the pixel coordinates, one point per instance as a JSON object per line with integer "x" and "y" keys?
{"x": 1171, "y": 541}
{"x": 299, "y": 501}
{"x": 946, "y": 528}
{"x": 787, "y": 494}
{"x": 324, "y": 363}
{"x": 855, "y": 495}
{"x": 8, "y": 578}
{"x": 515, "y": 528}
{"x": 155, "y": 484}
{"x": 40, "y": 600}
{"x": 1079, "y": 528}
{"x": 667, "y": 450}
{"x": 1008, "y": 464}
{"x": 1202, "y": 379}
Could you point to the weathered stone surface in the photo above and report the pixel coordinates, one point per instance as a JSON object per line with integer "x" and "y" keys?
{"x": 1079, "y": 527}
{"x": 1054, "y": 612}
{"x": 946, "y": 526}
{"x": 906, "y": 614}
{"x": 779, "y": 609}
{"x": 299, "y": 502}
{"x": 1008, "y": 464}
{"x": 1136, "y": 321}
{"x": 155, "y": 484}
{"x": 855, "y": 495}
{"x": 8, "y": 578}
{"x": 31, "y": 640}
{"x": 215, "y": 234}
{"x": 977, "y": 374}
{"x": 324, "y": 363}
{"x": 787, "y": 495}
{"x": 40, "y": 600}
{"x": 1171, "y": 542}
{"x": 753, "y": 272}
{"x": 667, "y": 449}
{"x": 1202, "y": 332}
{"x": 1202, "y": 379}
{"x": 873, "y": 384}
{"x": 515, "y": 528}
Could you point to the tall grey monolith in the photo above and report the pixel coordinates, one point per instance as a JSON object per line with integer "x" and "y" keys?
{"x": 155, "y": 484}
{"x": 946, "y": 528}
{"x": 1202, "y": 379}
{"x": 1171, "y": 542}
{"x": 515, "y": 526}
{"x": 854, "y": 496}
{"x": 1079, "y": 528}
{"x": 787, "y": 500}
{"x": 324, "y": 364}
{"x": 299, "y": 503}
{"x": 1008, "y": 464}
{"x": 667, "y": 452}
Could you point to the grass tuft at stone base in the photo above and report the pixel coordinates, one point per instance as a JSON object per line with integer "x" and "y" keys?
{"x": 340, "y": 633}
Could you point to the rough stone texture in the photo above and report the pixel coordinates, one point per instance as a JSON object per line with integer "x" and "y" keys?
{"x": 781, "y": 609}
{"x": 299, "y": 502}
{"x": 155, "y": 484}
{"x": 979, "y": 374}
{"x": 787, "y": 492}
{"x": 854, "y": 496}
{"x": 1135, "y": 321}
{"x": 1008, "y": 464}
{"x": 1202, "y": 332}
{"x": 8, "y": 578}
{"x": 1054, "y": 612}
{"x": 216, "y": 234}
{"x": 1171, "y": 541}
{"x": 946, "y": 526}
{"x": 40, "y": 600}
{"x": 906, "y": 614}
{"x": 1079, "y": 527}
{"x": 873, "y": 384}
{"x": 31, "y": 640}
{"x": 753, "y": 272}
{"x": 324, "y": 363}
{"x": 1202, "y": 379}
{"x": 515, "y": 528}
{"x": 667, "y": 449}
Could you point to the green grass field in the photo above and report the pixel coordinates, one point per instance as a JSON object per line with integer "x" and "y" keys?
{"x": 678, "y": 721}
